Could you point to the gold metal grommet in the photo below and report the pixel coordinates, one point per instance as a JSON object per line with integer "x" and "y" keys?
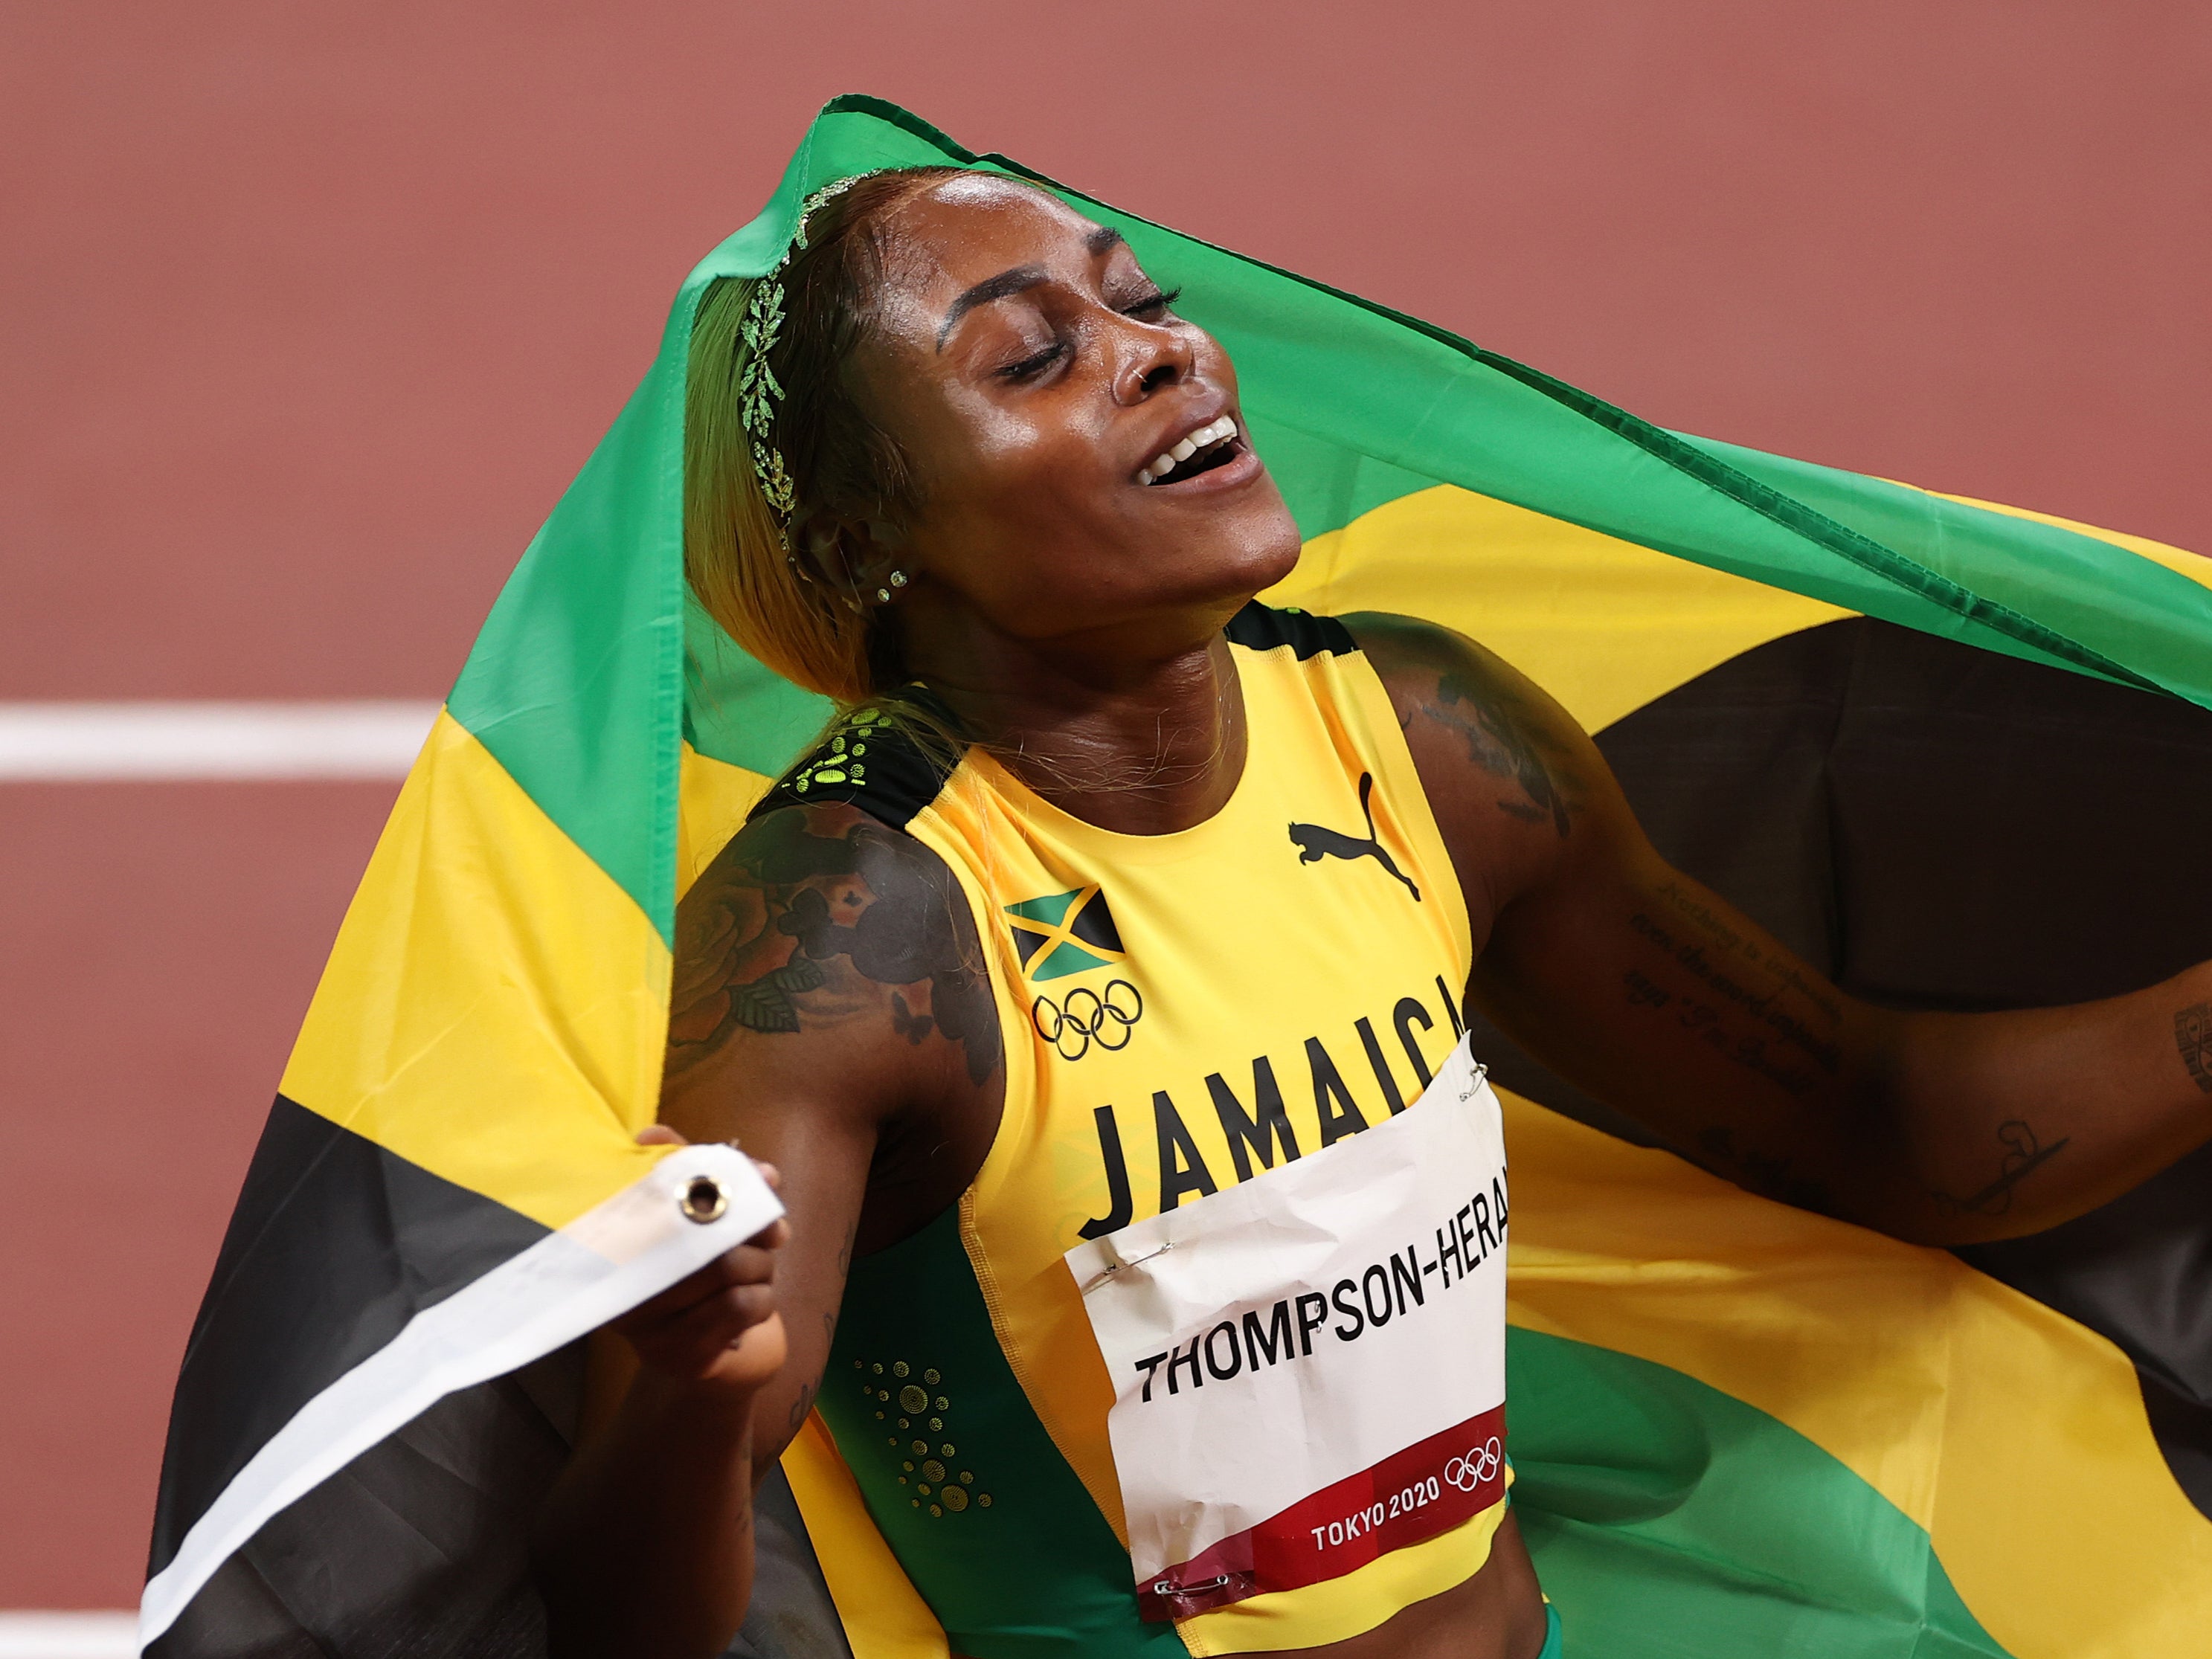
{"x": 703, "y": 1200}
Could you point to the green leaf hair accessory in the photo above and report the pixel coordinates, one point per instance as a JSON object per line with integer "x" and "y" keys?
{"x": 759, "y": 393}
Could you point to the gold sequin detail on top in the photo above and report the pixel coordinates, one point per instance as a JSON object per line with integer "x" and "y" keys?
{"x": 935, "y": 1477}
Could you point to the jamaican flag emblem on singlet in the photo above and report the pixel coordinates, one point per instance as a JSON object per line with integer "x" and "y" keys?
{"x": 1064, "y": 933}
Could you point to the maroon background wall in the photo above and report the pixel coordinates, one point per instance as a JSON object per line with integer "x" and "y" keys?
{"x": 307, "y": 313}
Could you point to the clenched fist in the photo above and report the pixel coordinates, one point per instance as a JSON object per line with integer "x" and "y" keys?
{"x": 720, "y": 1326}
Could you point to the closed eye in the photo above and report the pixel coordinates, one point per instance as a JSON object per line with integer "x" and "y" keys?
{"x": 1150, "y": 307}
{"x": 1029, "y": 368}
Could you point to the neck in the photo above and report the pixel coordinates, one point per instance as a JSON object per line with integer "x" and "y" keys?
{"x": 1143, "y": 736}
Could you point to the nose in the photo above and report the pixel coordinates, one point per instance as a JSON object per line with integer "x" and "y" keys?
{"x": 1152, "y": 358}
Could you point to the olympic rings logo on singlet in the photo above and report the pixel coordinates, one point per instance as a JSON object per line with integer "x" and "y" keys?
{"x": 1088, "y": 1016}
{"x": 1478, "y": 1465}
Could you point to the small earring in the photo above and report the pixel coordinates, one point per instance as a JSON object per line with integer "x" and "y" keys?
{"x": 884, "y": 594}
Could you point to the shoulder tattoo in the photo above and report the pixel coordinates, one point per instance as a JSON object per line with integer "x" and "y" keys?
{"x": 806, "y": 919}
{"x": 1498, "y": 742}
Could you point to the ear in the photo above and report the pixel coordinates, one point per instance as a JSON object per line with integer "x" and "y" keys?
{"x": 856, "y": 559}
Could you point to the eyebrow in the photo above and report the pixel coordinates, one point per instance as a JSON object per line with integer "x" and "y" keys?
{"x": 1008, "y": 283}
{"x": 1005, "y": 284}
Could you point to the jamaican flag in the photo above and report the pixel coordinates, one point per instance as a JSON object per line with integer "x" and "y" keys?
{"x": 1960, "y": 756}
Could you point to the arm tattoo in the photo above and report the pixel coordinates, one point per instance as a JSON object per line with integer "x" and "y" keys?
{"x": 1740, "y": 1000}
{"x": 2023, "y": 1154}
{"x": 1496, "y": 742}
{"x": 807, "y": 903}
{"x": 1763, "y": 1173}
{"x": 2192, "y": 1035}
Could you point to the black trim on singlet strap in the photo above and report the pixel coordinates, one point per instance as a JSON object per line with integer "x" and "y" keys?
{"x": 1260, "y": 627}
{"x": 873, "y": 760}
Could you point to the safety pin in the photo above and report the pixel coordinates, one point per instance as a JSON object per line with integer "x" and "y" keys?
{"x": 1108, "y": 1271}
{"x": 1163, "y": 1587}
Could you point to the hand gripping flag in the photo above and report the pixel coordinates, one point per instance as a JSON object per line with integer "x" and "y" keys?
{"x": 1957, "y": 754}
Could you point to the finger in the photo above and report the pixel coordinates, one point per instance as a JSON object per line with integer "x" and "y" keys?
{"x": 774, "y": 1237}
{"x": 674, "y": 1303}
{"x": 756, "y": 1359}
{"x": 770, "y": 1174}
{"x": 659, "y": 1134}
{"x": 743, "y": 1264}
{"x": 692, "y": 1343}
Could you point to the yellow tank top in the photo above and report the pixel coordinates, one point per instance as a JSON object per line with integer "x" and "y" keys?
{"x": 1180, "y": 1013}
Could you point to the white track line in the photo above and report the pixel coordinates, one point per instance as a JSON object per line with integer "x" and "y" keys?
{"x": 112, "y": 742}
{"x": 68, "y": 1635}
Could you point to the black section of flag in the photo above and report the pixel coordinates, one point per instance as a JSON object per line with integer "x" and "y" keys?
{"x": 1094, "y": 924}
{"x": 1937, "y": 826}
{"x": 335, "y": 1245}
{"x": 419, "y": 1548}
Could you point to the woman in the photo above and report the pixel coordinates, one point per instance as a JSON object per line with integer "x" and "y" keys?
{"x": 1114, "y": 892}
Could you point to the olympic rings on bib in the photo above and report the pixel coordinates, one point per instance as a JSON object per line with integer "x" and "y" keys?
{"x": 1088, "y": 1016}
{"x": 1480, "y": 1464}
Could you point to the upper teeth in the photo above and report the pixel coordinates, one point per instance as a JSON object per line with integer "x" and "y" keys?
{"x": 1167, "y": 459}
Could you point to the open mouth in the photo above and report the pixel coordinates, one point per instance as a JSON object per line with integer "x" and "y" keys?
{"x": 1215, "y": 444}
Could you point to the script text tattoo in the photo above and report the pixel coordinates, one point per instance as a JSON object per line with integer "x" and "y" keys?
{"x": 1757, "y": 1009}
{"x": 2192, "y": 1035}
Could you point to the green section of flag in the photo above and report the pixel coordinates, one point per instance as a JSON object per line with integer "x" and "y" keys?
{"x": 592, "y": 668}
{"x": 1051, "y": 909}
{"x": 2128, "y": 610}
{"x": 578, "y": 684}
{"x": 1671, "y": 1521}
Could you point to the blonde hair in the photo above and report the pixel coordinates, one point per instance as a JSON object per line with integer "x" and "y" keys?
{"x": 802, "y": 621}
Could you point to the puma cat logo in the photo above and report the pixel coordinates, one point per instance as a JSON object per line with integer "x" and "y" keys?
{"x": 1317, "y": 841}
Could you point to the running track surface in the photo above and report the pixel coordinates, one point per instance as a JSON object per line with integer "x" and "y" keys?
{"x": 312, "y": 311}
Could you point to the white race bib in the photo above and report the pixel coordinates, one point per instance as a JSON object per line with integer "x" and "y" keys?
{"x": 1309, "y": 1367}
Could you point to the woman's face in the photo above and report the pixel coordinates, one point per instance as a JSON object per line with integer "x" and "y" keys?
{"x": 1035, "y": 375}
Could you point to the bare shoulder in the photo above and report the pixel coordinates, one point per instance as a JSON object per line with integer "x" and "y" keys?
{"x": 824, "y": 958}
{"x": 1489, "y": 743}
